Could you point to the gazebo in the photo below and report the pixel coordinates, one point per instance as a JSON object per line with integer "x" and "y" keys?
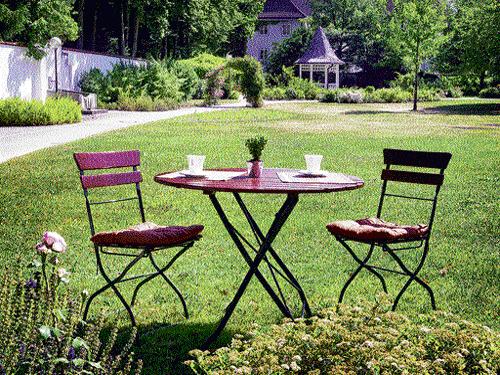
{"x": 319, "y": 57}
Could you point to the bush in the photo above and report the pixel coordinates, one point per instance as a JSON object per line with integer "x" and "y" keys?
{"x": 42, "y": 331}
{"x": 274, "y": 93}
{"x": 343, "y": 96}
{"x": 18, "y": 112}
{"x": 490, "y": 92}
{"x": 190, "y": 84}
{"x": 394, "y": 95}
{"x": 359, "y": 340}
{"x": 204, "y": 63}
{"x": 252, "y": 79}
{"x": 157, "y": 80}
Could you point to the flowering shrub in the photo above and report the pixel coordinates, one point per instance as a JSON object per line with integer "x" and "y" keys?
{"x": 358, "y": 340}
{"x": 42, "y": 331}
{"x": 213, "y": 92}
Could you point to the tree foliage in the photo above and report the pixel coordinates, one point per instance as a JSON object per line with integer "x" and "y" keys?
{"x": 355, "y": 31}
{"x": 416, "y": 30}
{"x": 290, "y": 50}
{"x": 34, "y": 22}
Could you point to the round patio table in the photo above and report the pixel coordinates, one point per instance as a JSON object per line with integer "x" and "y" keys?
{"x": 272, "y": 181}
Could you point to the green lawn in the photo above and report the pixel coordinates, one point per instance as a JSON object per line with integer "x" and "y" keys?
{"x": 41, "y": 192}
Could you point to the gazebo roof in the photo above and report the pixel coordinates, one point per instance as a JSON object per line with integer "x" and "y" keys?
{"x": 319, "y": 51}
{"x": 284, "y": 10}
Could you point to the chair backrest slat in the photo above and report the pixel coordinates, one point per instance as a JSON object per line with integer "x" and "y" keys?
{"x": 105, "y": 160}
{"x": 423, "y": 159}
{"x": 95, "y": 181}
{"x": 412, "y": 177}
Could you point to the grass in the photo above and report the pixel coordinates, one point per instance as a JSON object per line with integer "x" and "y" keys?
{"x": 41, "y": 192}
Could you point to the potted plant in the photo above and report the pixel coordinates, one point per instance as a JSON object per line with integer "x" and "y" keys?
{"x": 255, "y": 147}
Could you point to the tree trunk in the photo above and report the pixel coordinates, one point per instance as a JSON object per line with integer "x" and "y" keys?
{"x": 136, "y": 33}
{"x": 121, "y": 39}
{"x": 94, "y": 28}
{"x": 417, "y": 67}
{"x": 80, "y": 10}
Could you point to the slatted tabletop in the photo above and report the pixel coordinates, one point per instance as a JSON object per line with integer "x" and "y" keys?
{"x": 269, "y": 183}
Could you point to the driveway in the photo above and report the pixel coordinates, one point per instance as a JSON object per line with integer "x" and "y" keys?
{"x": 18, "y": 141}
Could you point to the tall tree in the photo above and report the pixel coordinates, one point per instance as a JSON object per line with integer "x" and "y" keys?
{"x": 479, "y": 38}
{"x": 355, "y": 31}
{"x": 416, "y": 30}
{"x": 35, "y": 22}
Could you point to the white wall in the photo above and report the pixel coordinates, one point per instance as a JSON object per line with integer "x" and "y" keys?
{"x": 21, "y": 76}
{"x": 28, "y": 78}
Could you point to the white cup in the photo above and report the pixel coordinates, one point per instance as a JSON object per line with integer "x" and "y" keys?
{"x": 195, "y": 163}
{"x": 313, "y": 163}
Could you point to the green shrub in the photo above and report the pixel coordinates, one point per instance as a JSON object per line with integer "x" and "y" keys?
{"x": 142, "y": 103}
{"x": 18, "y": 112}
{"x": 204, "y": 63}
{"x": 63, "y": 110}
{"x": 252, "y": 79}
{"x": 92, "y": 81}
{"x": 428, "y": 95}
{"x": 343, "y": 96}
{"x": 274, "y": 93}
{"x": 369, "y": 89}
{"x": 158, "y": 80}
{"x": 490, "y": 92}
{"x": 190, "y": 83}
{"x": 359, "y": 340}
{"x": 42, "y": 331}
{"x": 392, "y": 95}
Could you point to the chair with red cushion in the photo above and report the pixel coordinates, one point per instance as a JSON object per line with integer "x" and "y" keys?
{"x": 425, "y": 172}
{"x": 138, "y": 242}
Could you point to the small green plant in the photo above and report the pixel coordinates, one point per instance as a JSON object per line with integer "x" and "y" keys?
{"x": 42, "y": 331}
{"x": 256, "y": 146}
{"x": 18, "y": 112}
{"x": 358, "y": 340}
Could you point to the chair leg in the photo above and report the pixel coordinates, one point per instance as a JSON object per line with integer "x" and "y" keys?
{"x": 362, "y": 264}
{"x": 413, "y": 276}
{"x": 162, "y": 270}
{"x": 152, "y": 276}
{"x": 112, "y": 284}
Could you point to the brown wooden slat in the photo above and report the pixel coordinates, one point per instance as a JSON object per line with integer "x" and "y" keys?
{"x": 105, "y": 160}
{"x": 423, "y": 159}
{"x": 94, "y": 181}
{"x": 412, "y": 177}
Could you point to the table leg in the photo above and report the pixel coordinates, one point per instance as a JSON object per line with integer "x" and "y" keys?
{"x": 306, "y": 311}
{"x": 276, "y": 226}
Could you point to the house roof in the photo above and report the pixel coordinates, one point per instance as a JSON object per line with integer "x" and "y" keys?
{"x": 284, "y": 10}
{"x": 319, "y": 51}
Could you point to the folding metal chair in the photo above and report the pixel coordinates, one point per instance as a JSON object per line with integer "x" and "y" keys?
{"x": 390, "y": 237}
{"x": 138, "y": 242}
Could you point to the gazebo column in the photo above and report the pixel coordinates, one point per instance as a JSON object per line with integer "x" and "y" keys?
{"x": 300, "y": 71}
{"x": 326, "y": 77}
{"x": 337, "y": 76}
{"x": 311, "y": 66}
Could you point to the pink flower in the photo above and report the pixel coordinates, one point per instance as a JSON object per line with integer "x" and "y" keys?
{"x": 61, "y": 272}
{"x": 42, "y": 249}
{"x": 54, "y": 241}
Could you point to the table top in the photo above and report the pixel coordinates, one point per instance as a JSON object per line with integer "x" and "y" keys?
{"x": 268, "y": 182}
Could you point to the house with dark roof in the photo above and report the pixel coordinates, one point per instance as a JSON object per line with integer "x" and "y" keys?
{"x": 277, "y": 21}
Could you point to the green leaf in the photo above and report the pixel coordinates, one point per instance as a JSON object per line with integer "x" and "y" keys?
{"x": 45, "y": 332}
{"x": 95, "y": 365}
{"x": 61, "y": 360}
{"x": 78, "y": 362}
{"x": 78, "y": 343}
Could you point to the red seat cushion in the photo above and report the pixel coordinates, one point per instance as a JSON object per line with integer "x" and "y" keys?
{"x": 373, "y": 228}
{"x": 147, "y": 234}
